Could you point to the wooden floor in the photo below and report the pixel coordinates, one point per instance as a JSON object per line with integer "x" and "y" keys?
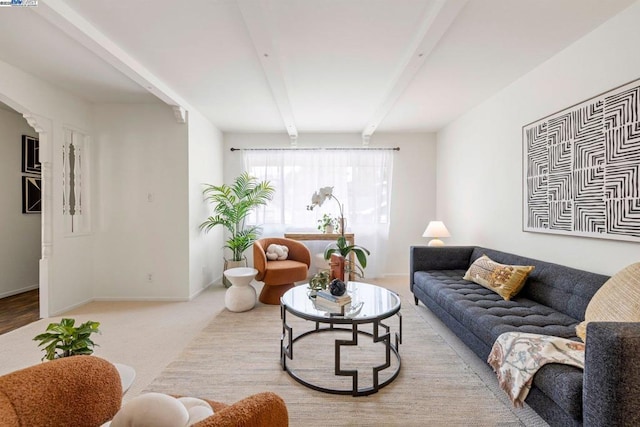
{"x": 19, "y": 310}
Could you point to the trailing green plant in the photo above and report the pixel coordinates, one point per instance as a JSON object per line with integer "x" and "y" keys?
{"x": 326, "y": 221}
{"x": 231, "y": 206}
{"x": 344, "y": 249}
{"x": 319, "y": 281}
{"x": 64, "y": 339}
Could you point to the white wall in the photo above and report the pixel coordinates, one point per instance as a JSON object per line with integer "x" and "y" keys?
{"x": 205, "y": 167}
{"x": 142, "y": 203}
{"x": 413, "y": 192}
{"x": 480, "y": 154}
{"x": 19, "y": 233}
{"x": 68, "y": 272}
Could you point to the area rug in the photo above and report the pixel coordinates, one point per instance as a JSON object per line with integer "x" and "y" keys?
{"x": 238, "y": 354}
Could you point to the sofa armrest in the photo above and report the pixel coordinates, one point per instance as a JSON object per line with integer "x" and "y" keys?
{"x": 262, "y": 409}
{"x": 424, "y": 258}
{"x": 612, "y": 374}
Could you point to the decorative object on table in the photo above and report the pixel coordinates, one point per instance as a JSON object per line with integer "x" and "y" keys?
{"x": 343, "y": 249}
{"x": 240, "y": 296}
{"x": 231, "y": 206}
{"x": 280, "y": 276}
{"x": 64, "y": 339}
{"x": 337, "y": 287}
{"x": 277, "y": 252}
{"x": 436, "y": 229}
{"x": 319, "y": 281}
{"x": 336, "y": 266}
{"x": 336, "y": 304}
{"x": 328, "y": 224}
{"x": 581, "y": 167}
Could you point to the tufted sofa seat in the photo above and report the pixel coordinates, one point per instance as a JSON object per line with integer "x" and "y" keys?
{"x": 553, "y": 302}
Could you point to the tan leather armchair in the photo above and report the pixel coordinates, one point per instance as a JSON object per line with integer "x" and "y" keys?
{"x": 279, "y": 276}
{"x": 85, "y": 391}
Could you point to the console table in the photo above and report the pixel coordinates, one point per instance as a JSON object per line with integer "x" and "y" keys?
{"x": 349, "y": 237}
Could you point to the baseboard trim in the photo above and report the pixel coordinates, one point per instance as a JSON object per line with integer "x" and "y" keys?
{"x": 138, "y": 299}
{"x": 19, "y": 291}
{"x": 69, "y": 308}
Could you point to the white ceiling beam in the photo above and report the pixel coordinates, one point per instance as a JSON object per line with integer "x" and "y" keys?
{"x": 257, "y": 23}
{"x": 61, "y": 15}
{"x": 435, "y": 22}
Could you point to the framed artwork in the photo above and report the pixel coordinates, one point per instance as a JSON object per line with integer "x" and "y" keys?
{"x": 31, "y": 194}
{"x": 581, "y": 168}
{"x": 30, "y": 155}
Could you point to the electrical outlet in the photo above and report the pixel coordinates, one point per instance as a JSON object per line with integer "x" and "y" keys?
{"x": 149, "y": 277}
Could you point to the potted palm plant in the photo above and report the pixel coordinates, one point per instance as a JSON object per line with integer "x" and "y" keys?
{"x": 231, "y": 206}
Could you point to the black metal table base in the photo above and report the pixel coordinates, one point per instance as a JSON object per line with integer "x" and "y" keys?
{"x": 381, "y": 334}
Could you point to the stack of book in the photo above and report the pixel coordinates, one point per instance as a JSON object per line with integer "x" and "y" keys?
{"x": 333, "y": 303}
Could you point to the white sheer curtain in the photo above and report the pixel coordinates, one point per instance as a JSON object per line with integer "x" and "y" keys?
{"x": 361, "y": 181}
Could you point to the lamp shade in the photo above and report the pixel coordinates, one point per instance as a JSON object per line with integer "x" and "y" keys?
{"x": 436, "y": 229}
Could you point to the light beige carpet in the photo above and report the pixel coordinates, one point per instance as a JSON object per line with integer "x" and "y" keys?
{"x": 237, "y": 354}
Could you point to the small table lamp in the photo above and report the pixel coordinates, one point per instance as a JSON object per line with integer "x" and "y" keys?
{"x": 436, "y": 229}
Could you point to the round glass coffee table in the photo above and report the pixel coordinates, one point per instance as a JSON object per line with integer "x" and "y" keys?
{"x": 364, "y": 346}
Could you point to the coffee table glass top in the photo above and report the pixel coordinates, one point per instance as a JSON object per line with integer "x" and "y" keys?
{"x": 367, "y": 301}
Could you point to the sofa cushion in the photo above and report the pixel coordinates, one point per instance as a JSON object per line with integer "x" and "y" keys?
{"x": 505, "y": 280}
{"x": 618, "y": 300}
{"x": 565, "y": 289}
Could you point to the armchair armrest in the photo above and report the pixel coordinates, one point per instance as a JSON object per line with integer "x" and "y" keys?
{"x": 262, "y": 409}
{"x": 259, "y": 259}
{"x": 612, "y": 374}
{"x": 424, "y": 258}
{"x": 72, "y": 391}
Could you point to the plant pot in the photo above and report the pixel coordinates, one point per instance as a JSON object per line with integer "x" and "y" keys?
{"x": 228, "y": 264}
{"x": 328, "y": 229}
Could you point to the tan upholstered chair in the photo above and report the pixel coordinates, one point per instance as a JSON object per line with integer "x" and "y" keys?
{"x": 85, "y": 391}
{"x": 279, "y": 276}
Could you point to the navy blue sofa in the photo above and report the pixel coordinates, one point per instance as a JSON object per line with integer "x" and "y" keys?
{"x": 552, "y": 302}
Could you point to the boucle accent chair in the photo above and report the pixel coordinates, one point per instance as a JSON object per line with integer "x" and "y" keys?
{"x": 279, "y": 276}
{"x": 85, "y": 391}
{"x": 74, "y": 391}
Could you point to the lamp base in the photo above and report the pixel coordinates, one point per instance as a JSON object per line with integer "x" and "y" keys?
{"x": 436, "y": 242}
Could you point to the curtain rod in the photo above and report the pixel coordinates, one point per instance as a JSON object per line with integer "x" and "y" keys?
{"x": 316, "y": 149}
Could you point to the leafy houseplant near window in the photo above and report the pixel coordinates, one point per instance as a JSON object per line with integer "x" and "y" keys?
{"x": 328, "y": 224}
{"x": 64, "y": 339}
{"x": 231, "y": 206}
{"x": 344, "y": 249}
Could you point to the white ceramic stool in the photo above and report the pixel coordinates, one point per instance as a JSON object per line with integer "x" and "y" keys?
{"x": 241, "y": 296}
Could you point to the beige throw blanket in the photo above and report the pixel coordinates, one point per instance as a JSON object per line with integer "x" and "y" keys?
{"x": 516, "y": 357}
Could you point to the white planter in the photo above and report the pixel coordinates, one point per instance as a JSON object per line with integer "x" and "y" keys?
{"x": 229, "y": 265}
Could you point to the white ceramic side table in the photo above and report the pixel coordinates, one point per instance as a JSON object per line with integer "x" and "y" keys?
{"x": 241, "y": 296}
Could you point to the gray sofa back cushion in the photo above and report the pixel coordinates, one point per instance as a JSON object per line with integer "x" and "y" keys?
{"x": 565, "y": 289}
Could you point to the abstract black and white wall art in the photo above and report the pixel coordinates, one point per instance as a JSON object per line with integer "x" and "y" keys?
{"x": 31, "y": 194}
{"x": 582, "y": 168}
{"x": 30, "y": 155}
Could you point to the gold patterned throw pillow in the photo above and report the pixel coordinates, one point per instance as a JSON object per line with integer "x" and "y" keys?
{"x": 505, "y": 280}
{"x": 618, "y": 300}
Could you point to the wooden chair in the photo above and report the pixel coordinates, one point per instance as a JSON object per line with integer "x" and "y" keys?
{"x": 279, "y": 276}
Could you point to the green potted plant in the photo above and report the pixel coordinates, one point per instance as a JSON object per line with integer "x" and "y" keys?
{"x": 319, "y": 281}
{"x": 231, "y": 206}
{"x": 328, "y": 224}
{"x": 345, "y": 249}
{"x": 64, "y": 339}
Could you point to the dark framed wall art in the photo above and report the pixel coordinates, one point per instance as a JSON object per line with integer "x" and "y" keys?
{"x": 31, "y": 194}
{"x": 31, "y": 175}
{"x": 30, "y": 155}
{"x": 581, "y": 168}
